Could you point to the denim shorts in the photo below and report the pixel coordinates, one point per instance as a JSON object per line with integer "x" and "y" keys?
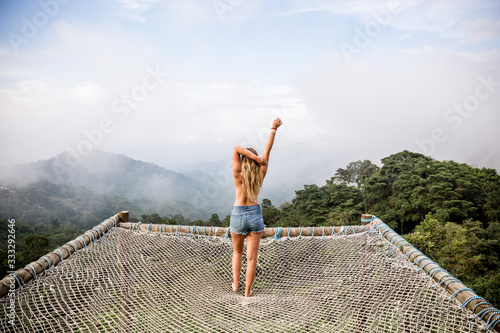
{"x": 246, "y": 219}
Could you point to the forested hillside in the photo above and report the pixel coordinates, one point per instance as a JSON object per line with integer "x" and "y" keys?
{"x": 77, "y": 206}
{"x": 124, "y": 177}
{"x": 32, "y": 240}
{"x": 43, "y": 201}
{"x": 402, "y": 192}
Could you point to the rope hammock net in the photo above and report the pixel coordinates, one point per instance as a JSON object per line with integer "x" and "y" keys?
{"x": 158, "y": 279}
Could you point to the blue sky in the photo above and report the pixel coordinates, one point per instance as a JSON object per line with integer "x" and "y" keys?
{"x": 354, "y": 80}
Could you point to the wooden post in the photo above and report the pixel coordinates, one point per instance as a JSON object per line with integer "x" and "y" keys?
{"x": 366, "y": 217}
{"x": 123, "y": 216}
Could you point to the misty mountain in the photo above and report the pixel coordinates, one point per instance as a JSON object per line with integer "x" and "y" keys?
{"x": 193, "y": 193}
{"x": 42, "y": 201}
{"x": 109, "y": 173}
{"x": 122, "y": 176}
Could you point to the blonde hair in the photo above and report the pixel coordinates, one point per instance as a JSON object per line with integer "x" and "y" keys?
{"x": 251, "y": 176}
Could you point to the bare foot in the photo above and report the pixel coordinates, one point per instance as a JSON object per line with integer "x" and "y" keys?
{"x": 249, "y": 294}
{"x": 235, "y": 289}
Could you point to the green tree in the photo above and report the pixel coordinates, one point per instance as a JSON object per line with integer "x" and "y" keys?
{"x": 55, "y": 223}
{"x": 488, "y": 286}
{"x": 490, "y": 194}
{"x": 345, "y": 204}
{"x": 226, "y": 221}
{"x": 468, "y": 251}
{"x": 153, "y": 218}
{"x": 4, "y": 263}
{"x": 179, "y": 219}
{"x": 196, "y": 222}
{"x": 214, "y": 221}
{"x": 311, "y": 204}
{"x": 355, "y": 173}
{"x": 270, "y": 213}
{"x": 342, "y": 176}
{"x": 331, "y": 204}
{"x": 411, "y": 185}
{"x": 37, "y": 246}
{"x": 366, "y": 170}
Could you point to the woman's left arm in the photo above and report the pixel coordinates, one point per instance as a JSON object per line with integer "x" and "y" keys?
{"x": 239, "y": 150}
{"x": 245, "y": 152}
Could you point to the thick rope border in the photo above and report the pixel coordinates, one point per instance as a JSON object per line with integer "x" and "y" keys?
{"x": 56, "y": 257}
{"x": 491, "y": 322}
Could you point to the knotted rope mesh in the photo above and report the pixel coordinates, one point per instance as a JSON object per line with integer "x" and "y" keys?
{"x": 134, "y": 281}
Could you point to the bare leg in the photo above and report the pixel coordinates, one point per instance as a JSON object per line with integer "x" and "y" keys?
{"x": 238, "y": 242}
{"x": 253, "y": 243}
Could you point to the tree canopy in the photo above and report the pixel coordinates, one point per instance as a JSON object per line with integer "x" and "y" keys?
{"x": 410, "y": 185}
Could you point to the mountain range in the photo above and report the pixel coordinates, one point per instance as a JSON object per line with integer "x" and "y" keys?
{"x": 146, "y": 187}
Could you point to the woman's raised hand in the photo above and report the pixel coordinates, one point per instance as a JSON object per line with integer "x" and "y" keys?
{"x": 277, "y": 123}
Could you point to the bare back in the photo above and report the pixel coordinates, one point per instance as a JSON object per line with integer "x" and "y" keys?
{"x": 241, "y": 197}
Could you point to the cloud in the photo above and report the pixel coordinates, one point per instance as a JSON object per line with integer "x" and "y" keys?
{"x": 392, "y": 103}
{"x": 221, "y": 91}
{"x": 134, "y": 9}
{"x": 182, "y": 114}
{"x": 87, "y": 90}
{"x": 463, "y": 21}
{"x": 334, "y": 7}
{"x": 220, "y": 113}
{"x": 480, "y": 30}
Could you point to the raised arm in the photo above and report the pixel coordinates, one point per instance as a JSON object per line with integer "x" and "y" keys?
{"x": 269, "y": 145}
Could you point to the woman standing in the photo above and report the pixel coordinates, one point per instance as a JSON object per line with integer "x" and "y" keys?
{"x": 249, "y": 171}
